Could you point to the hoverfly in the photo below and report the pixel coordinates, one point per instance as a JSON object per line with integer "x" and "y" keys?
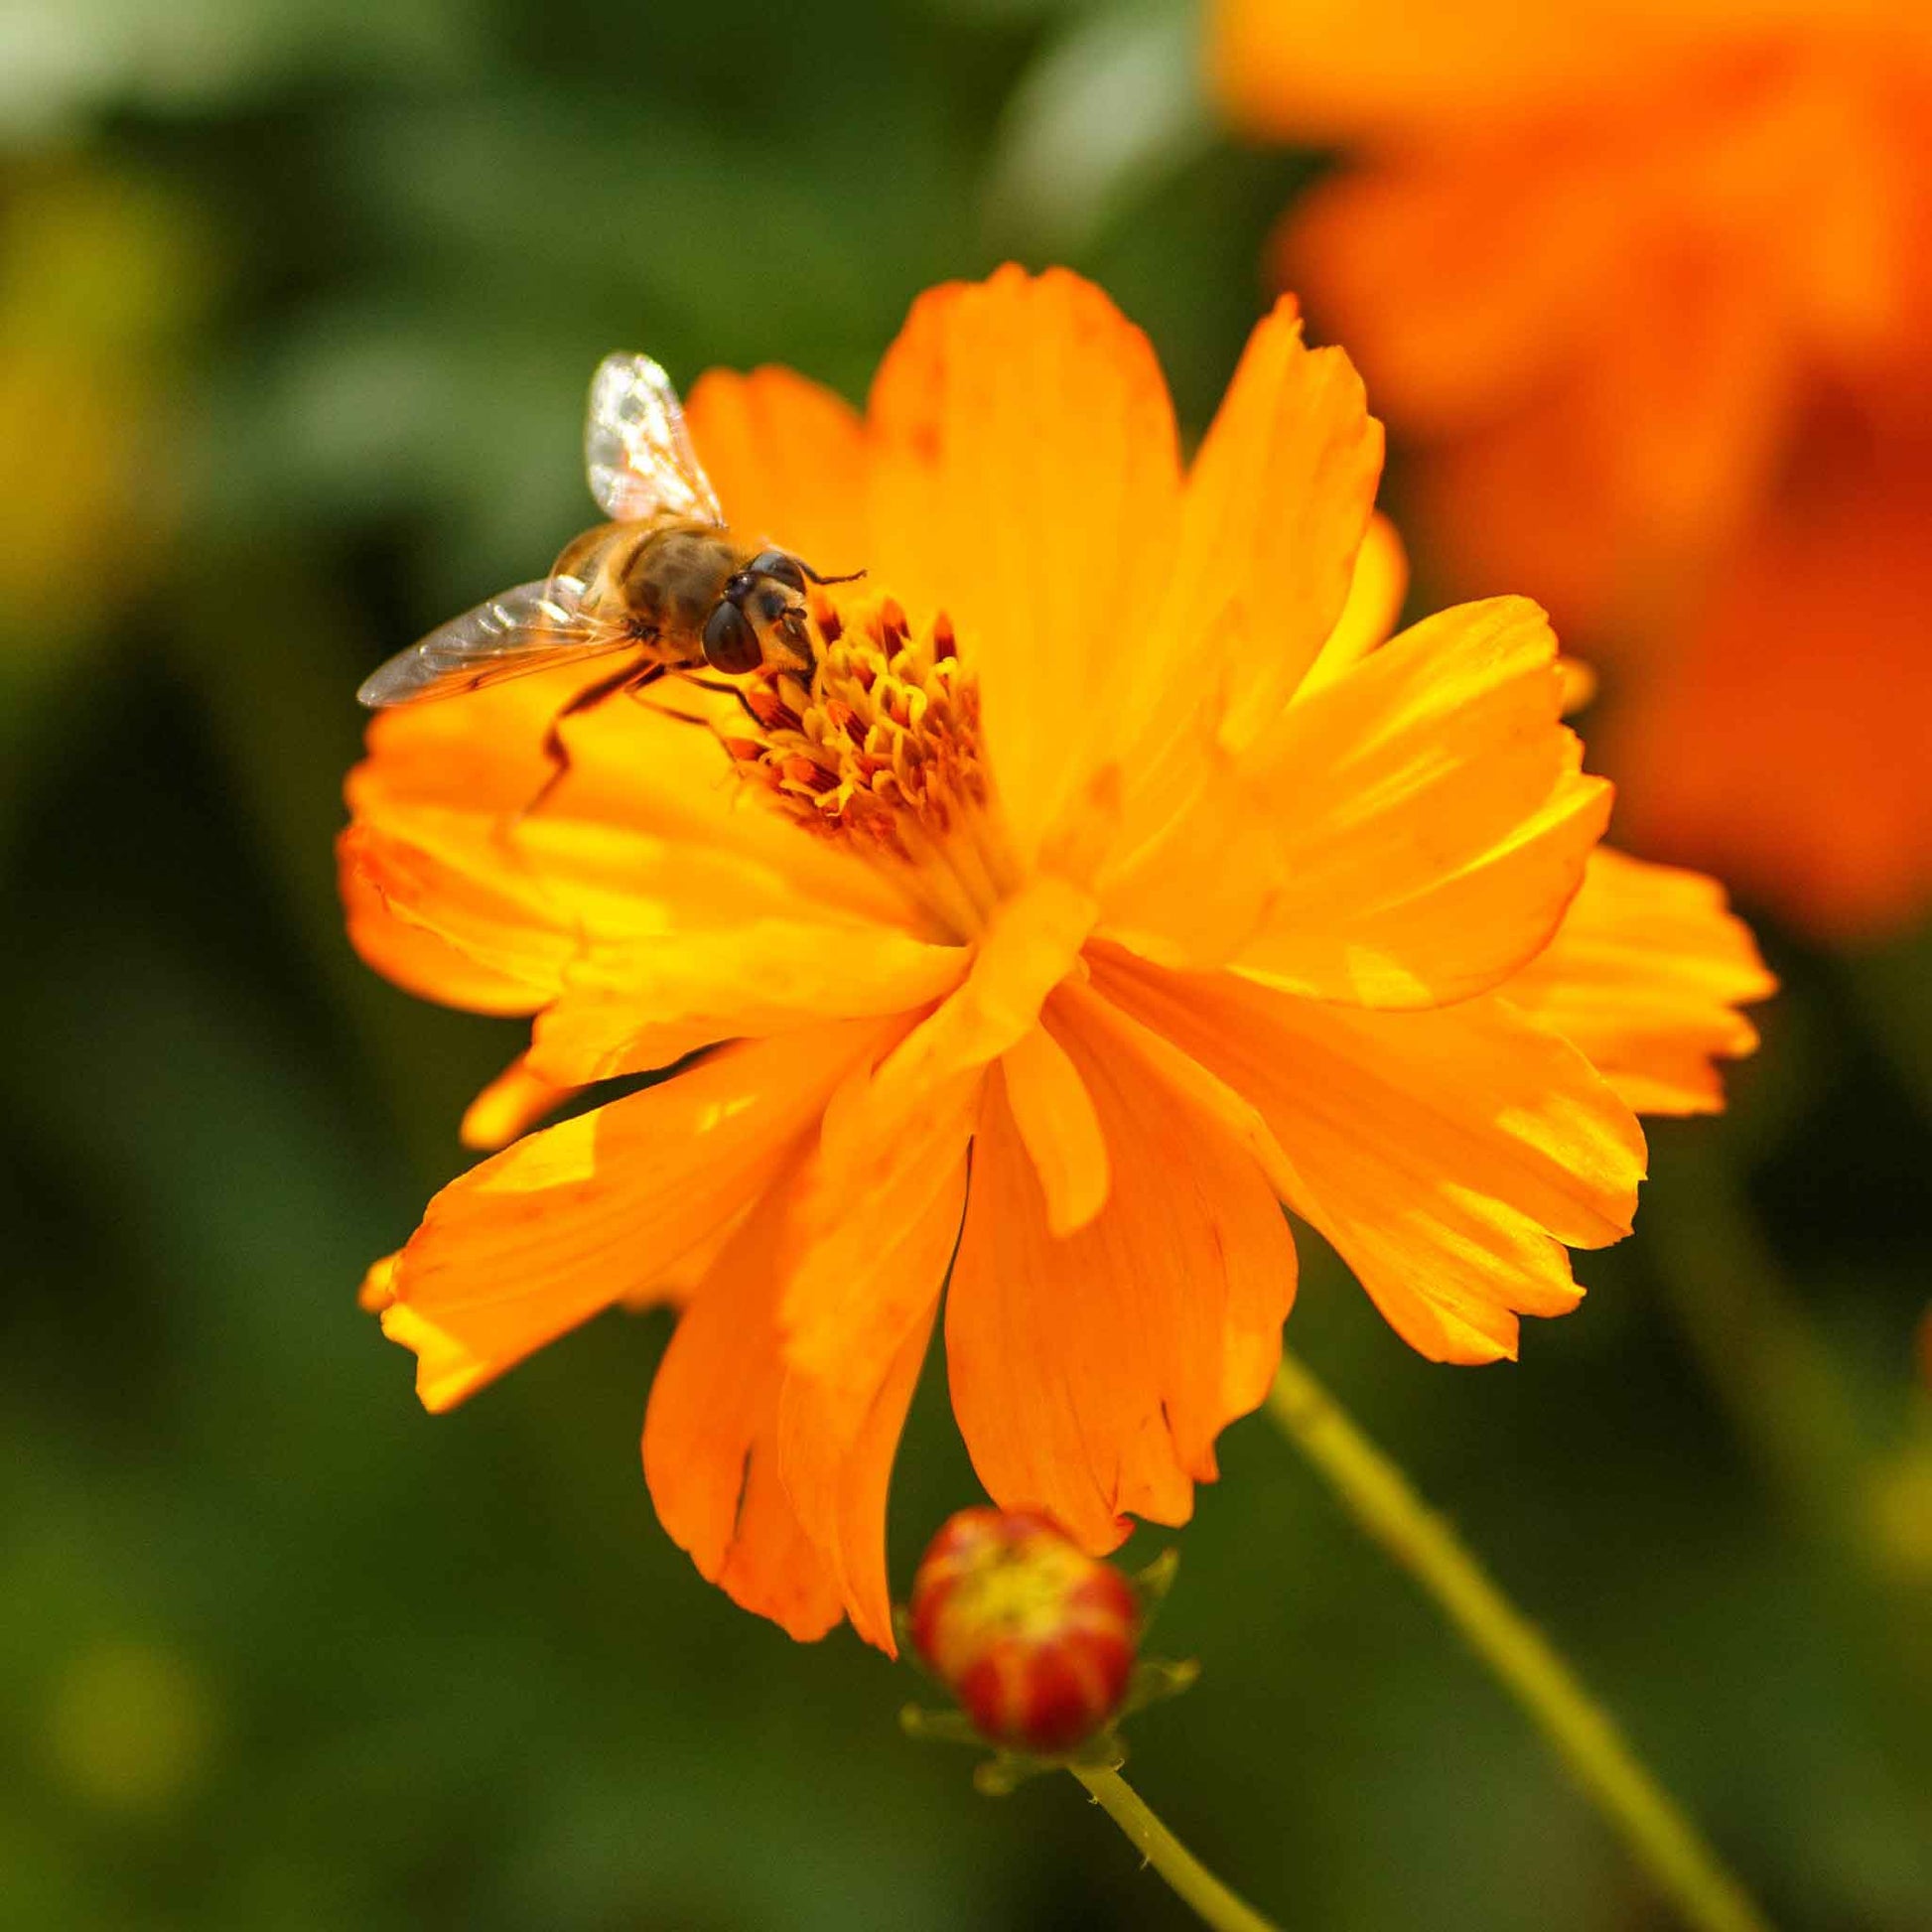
{"x": 664, "y": 580}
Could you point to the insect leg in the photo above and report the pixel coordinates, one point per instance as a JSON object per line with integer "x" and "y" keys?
{"x": 727, "y": 690}
{"x": 649, "y": 676}
{"x": 676, "y": 716}
{"x": 554, "y": 748}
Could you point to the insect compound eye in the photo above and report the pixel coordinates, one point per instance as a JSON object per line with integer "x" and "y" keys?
{"x": 731, "y": 644}
{"x": 778, "y": 564}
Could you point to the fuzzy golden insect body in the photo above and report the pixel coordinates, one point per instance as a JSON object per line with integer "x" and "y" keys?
{"x": 691, "y": 594}
{"x": 664, "y": 581}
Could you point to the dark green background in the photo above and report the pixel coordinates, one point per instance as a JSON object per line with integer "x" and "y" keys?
{"x": 316, "y": 295}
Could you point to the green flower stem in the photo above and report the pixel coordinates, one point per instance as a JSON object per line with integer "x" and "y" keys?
{"x": 1191, "y": 1880}
{"x": 1662, "y": 1840}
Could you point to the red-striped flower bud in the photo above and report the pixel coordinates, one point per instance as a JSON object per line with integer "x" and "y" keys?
{"x": 1034, "y": 1637}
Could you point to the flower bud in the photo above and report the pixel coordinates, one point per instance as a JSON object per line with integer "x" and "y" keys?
{"x": 1034, "y": 1637}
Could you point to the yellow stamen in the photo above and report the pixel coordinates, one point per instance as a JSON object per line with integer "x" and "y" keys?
{"x": 880, "y": 750}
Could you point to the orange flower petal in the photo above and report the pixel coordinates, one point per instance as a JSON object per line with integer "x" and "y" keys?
{"x": 592, "y": 878}
{"x": 517, "y": 904}
{"x": 648, "y": 946}
{"x": 483, "y": 753}
{"x": 1375, "y": 593}
{"x": 1237, "y": 1118}
{"x": 1460, "y": 279}
{"x": 1274, "y": 510}
{"x": 678, "y": 1282}
{"x": 1579, "y": 684}
{"x": 1195, "y": 881}
{"x": 1090, "y": 1375}
{"x": 1446, "y": 1155}
{"x": 837, "y": 1459}
{"x": 874, "y": 1226}
{"x": 378, "y": 1289}
{"x": 1645, "y": 976}
{"x": 711, "y": 1439}
{"x": 876, "y": 1219}
{"x": 1783, "y": 742}
{"x": 1055, "y": 1117}
{"x": 630, "y": 1007}
{"x": 788, "y": 1382}
{"x": 1633, "y": 459}
{"x": 526, "y": 897}
{"x": 1431, "y": 819}
{"x": 789, "y": 462}
{"x": 1025, "y": 476}
{"x": 567, "y": 1221}
{"x": 854, "y": 1314}
{"x": 648, "y": 809}
{"x": 510, "y": 1105}
{"x": 1320, "y": 70}
{"x": 1032, "y": 943}
{"x": 479, "y": 953}
{"x": 1194, "y": 873}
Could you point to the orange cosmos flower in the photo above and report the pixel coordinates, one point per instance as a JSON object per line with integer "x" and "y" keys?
{"x": 1647, "y": 287}
{"x": 1111, "y": 882}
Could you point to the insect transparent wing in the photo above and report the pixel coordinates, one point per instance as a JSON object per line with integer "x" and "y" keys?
{"x": 636, "y": 449}
{"x": 530, "y": 629}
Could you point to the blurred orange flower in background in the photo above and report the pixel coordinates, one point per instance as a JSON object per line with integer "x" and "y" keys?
{"x": 1109, "y": 846}
{"x": 1648, "y": 290}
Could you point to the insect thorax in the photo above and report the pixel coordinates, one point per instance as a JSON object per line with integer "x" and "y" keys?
{"x": 668, "y": 575}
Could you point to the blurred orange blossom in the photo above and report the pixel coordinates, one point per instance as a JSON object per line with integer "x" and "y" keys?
{"x": 1113, "y": 883}
{"x": 1648, "y": 289}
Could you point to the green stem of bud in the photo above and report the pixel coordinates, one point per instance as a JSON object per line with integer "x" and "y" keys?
{"x": 1378, "y": 1495}
{"x": 1191, "y": 1880}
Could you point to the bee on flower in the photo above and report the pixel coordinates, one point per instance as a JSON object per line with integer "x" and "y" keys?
{"x": 1093, "y": 880}
{"x": 663, "y": 584}
{"x": 1646, "y": 288}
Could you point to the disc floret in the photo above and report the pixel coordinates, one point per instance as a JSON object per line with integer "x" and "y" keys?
{"x": 877, "y": 745}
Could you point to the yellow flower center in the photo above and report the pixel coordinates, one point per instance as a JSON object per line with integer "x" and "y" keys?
{"x": 880, "y": 750}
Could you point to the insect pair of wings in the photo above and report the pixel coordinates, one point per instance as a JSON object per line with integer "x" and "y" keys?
{"x": 640, "y": 463}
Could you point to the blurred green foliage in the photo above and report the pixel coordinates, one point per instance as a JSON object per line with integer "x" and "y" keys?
{"x": 297, "y": 308}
